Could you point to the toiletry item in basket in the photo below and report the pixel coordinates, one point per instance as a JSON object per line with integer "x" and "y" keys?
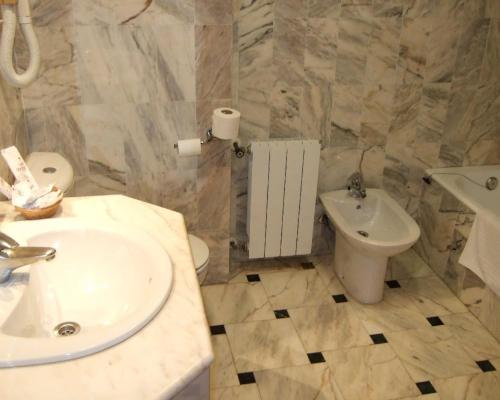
{"x": 19, "y": 167}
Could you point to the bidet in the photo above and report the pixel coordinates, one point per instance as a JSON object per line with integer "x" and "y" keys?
{"x": 369, "y": 231}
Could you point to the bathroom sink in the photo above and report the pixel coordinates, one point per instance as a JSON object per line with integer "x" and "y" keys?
{"x": 107, "y": 281}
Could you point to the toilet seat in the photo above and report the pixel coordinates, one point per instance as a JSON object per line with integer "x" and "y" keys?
{"x": 51, "y": 168}
{"x": 200, "y": 253}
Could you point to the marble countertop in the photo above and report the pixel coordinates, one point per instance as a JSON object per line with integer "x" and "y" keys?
{"x": 158, "y": 361}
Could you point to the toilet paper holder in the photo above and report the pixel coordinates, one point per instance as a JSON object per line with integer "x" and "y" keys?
{"x": 239, "y": 151}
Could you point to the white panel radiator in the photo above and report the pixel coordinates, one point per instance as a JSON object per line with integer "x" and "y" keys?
{"x": 282, "y": 185}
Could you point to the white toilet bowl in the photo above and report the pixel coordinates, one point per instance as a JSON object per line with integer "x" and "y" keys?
{"x": 200, "y": 252}
{"x": 51, "y": 168}
{"x": 368, "y": 232}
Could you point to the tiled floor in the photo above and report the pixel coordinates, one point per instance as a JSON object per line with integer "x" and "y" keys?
{"x": 296, "y": 334}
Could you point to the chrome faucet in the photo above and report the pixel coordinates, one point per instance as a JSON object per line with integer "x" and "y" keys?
{"x": 13, "y": 256}
{"x": 356, "y": 186}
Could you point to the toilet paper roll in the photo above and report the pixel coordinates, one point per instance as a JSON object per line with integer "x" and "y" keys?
{"x": 225, "y": 123}
{"x": 189, "y": 147}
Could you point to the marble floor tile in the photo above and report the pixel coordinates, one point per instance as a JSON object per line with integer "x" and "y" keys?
{"x": 432, "y": 297}
{"x": 395, "y": 313}
{"x": 267, "y": 266}
{"x": 236, "y": 302}
{"x": 474, "y": 338}
{"x": 408, "y": 265}
{"x": 484, "y": 386}
{"x": 222, "y": 370}
{"x": 243, "y": 392}
{"x": 431, "y": 353}
{"x": 308, "y": 382}
{"x": 324, "y": 267}
{"x": 289, "y": 289}
{"x": 370, "y": 373}
{"x": 265, "y": 344}
{"x": 432, "y": 396}
{"x": 329, "y": 327}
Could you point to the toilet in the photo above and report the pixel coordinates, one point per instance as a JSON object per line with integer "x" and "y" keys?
{"x": 200, "y": 252}
{"x": 368, "y": 232}
{"x": 51, "y": 168}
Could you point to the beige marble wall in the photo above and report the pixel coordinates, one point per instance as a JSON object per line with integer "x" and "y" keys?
{"x": 389, "y": 87}
{"x": 12, "y": 128}
{"x": 120, "y": 83}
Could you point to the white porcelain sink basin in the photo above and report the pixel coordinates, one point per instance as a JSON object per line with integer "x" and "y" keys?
{"x": 107, "y": 281}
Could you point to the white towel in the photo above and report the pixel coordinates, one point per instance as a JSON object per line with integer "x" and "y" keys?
{"x": 482, "y": 250}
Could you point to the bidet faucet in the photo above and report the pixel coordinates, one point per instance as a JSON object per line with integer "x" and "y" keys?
{"x": 356, "y": 186}
{"x": 13, "y": 256}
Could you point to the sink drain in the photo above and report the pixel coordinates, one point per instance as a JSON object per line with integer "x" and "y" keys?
{"x": 363, "y": 233}
{"x": 67, "y": 329}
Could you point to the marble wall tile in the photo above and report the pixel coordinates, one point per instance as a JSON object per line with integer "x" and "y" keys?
{"x": 12, "y": 130}
{"x": 321, "y": 43}
{"x": 290, "y": 8}
{"x": 377, "y": 113}
{"x": 55, "y": 13}
{"x": 383, "y": 50}
{"x": 492, "y": 53}
{"x": 483, "y": 152}
{"x": 432, "y": 113}
{"x": 289, "y": 49}
{"x": 470, "y": 52}
{"x": 336, "y": 165}
{"x": 442, "y": 47}
{"x": 256, "y": 71}
{"x": 98, "y": 185}
{"x": 285, "y": 111}
{"x": 372, "y": 165}
{"x": 492, "y": 9}
{"x": 58, "y": 70}
{"x": 316, "y": 105}
{"x": 55, "y": 129}
{"x": 354, "y": 32}
{"x": 216, "y": 12}
{"x": 323, "y": 8}
{"x": 218, "y": 243}
{"x": 178, "y": 189}
{"x": 169, "y": 12}
{"x": 213, "y": 61}
{"x": 388, "y": 8}
{"x": 176, "y": 61}
{"x": 346, "y": 114}
{"x": 105, "y": 129}
{"x": 133, "y": 12}
{"x": 412, "y": 50}
{"x": 213, "y": 187}
{"x": 95, "y": 12}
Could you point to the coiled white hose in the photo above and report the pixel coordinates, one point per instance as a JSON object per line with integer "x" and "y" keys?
{"x": 7, "y": 67}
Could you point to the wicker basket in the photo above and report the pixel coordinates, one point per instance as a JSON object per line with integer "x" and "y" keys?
{"x": 40, "y": 213}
